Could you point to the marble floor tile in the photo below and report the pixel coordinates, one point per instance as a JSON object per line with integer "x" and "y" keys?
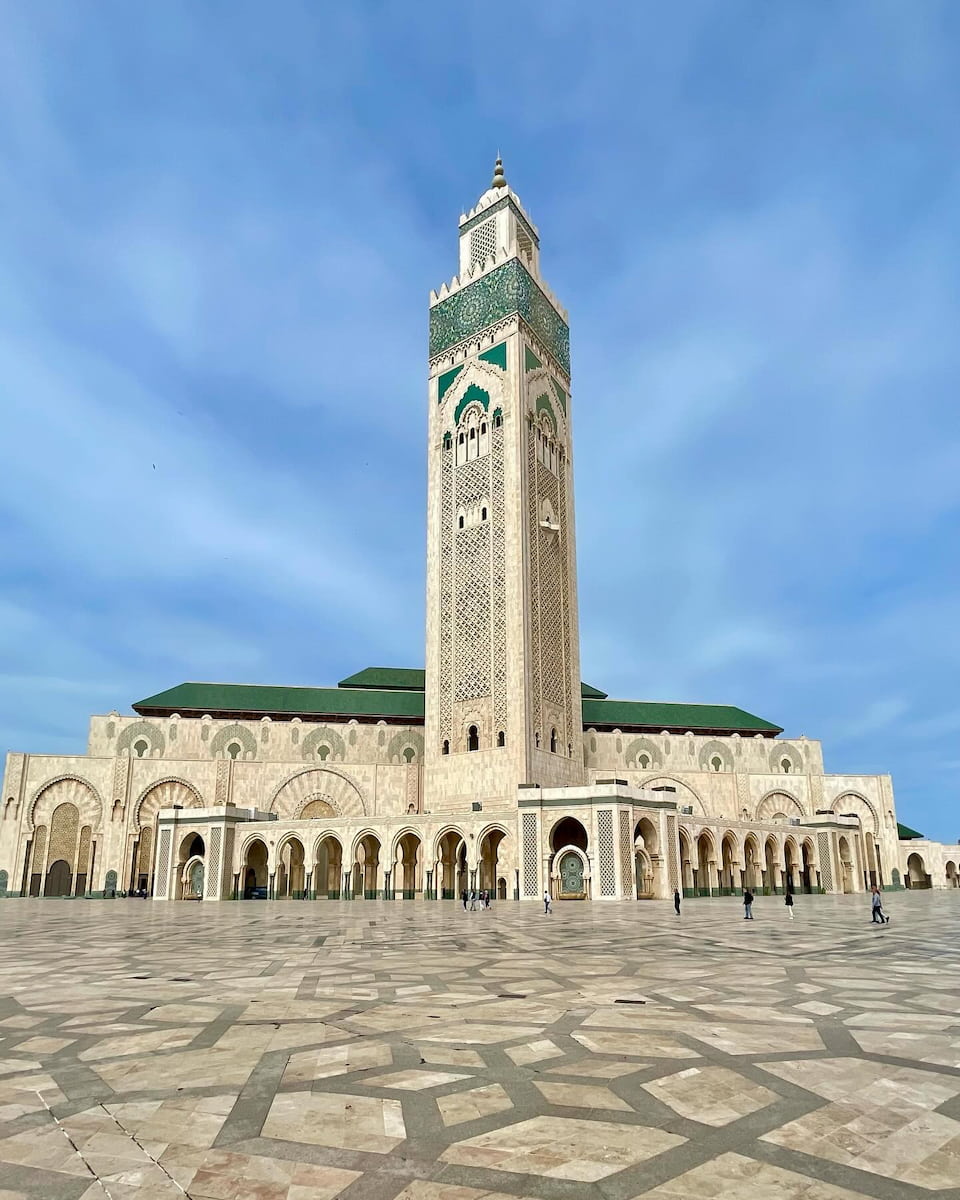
{"x": 473, "y": 1104}
{"x": 311, "y": 1050}
{"x": 734, "y": 1177}
{"x": 562, "y": 1148}
{"x": 712, "y": 1095}
{"x": 344, "y": 1121}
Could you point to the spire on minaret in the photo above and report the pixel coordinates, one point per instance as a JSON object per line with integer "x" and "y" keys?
{"x": 499, "y": 179}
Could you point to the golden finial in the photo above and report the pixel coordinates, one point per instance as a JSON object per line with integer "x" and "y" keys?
{"x": 499, "y": 179}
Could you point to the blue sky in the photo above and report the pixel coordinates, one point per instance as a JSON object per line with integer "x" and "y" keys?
{"x": 219, "y": 224}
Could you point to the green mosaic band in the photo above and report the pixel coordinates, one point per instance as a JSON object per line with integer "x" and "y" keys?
{"x": 506, "y": 290}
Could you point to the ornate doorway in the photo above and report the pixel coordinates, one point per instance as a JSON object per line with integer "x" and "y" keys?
{"x": 570, "y": 874}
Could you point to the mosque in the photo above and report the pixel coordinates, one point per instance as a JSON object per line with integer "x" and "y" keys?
{"x": 495, "y": 767}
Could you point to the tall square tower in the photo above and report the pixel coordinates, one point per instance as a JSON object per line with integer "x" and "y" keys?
{"x": 502, "y": 653}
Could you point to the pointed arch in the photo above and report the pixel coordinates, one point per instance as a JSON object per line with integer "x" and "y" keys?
{"x": 685, "y": 793}
{"x": 165, "y": 793}
{"x": 710, "y": 752}
{"x": 69, "y": 789}
{"x": 779, "y": 806}
{"x": 335, "y": 788}
{"x": 233, "y": 733}
{"x": 856, "y": 802}
{"x": 146, "y": 730}
{"x": 323, "y": 735}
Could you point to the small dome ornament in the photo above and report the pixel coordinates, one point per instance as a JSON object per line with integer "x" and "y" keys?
{"x": 499, "y": 179}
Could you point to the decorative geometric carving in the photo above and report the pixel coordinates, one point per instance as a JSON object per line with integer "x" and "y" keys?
{"x": 214, "y": 861}
{"x": 605, "y": 853}
{"x": 498, "y": 564}
{"x": 531, "y": 855}
{"x": 316, "y": 808}
{"x": 472, "y": 672}
{"x": 83, "y": 856}
{"x": 337, "y": 789}
{"x": 413, "y": 788}
{"x": 506, "y": 290}
{"x": 826, "y": 862}
{"x": 166, "y": 793}
{"x": 121, "y": 776}
{"x": 712, "y": 751}
{"x": 779, "y": 806}
{"x": 626, "y": 855}
{"x": 145, "y": 731}
{"x": 407, "y": 739}
{"x": 233, "y": 733}
{"x": 447, "y": 511}
{"x": 780, "y": 752}
{"x": 495, "y": 208}
{"x": 221, "y": 793}
{"x": 853, "y": 802}
{"x": 323, "y": 735}
{"x": 163, "y": 863}
{"x": 643, "y": 746}
{"x": 67, "y": 789}
{"x": 672, "y": 852}
{"x": 13, "y": 782}
{"x": 38, "y": 854}
{"x": 483, "y": 241}
{"x": 64, "y": 827}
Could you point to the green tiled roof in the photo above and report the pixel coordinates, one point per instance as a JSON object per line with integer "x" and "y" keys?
{"x": 387, "y": 678}
{"x": 906, "y": 834}
{"x": 396, "y": 695}
{"x": 254, "y": 700}
{"x": 651, "y": 715}
{"x": 414, "y": 680}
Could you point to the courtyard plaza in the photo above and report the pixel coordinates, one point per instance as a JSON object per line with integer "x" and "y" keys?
{"x": 376, "y": 1050}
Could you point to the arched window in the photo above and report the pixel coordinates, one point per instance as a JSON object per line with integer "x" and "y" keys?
{"x": 497, "y": 420}
{"x": 501, "y": 738}
{"x": 483, "y": 514}
{"x": 460, "y": 521}
{"x": 553, "y": 741}
{"x": 408, "y": 754}
{"x": 233, "y": 749}
{"x": 785, "y": 764}
{"x": 323, "y": 753}
{"x": 644, "y": 761}
{"x": 536, "y": 738}
{"x": 716, "y": 762}
{"x": 445, "y": 748}
{"x": 447, "y": 441}
{"x": 473, "y": 738}
{"x": 569, "y": 749}
{"x": 483, "y": 427}
{"x": 473, "y": 434}
{"x": 141, "y": 748}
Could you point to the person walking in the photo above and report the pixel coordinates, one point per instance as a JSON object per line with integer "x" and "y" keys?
{"x": 473, "y": 900}
{"x": 546, "y": 901}
{"x": 463, "y": 897}
{"x": 788, "y": 901}
{"x": 676, "y": 901}
{"x": 748, "y": 905}
{"x": 877, "y": 915}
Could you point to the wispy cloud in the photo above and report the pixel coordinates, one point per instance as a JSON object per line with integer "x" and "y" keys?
{"x": 217, "y": 242}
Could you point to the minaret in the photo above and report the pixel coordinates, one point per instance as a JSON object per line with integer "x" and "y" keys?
{"x": 503, "y": 655}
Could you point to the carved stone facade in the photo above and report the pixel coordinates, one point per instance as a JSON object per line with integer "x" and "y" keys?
{"x": 495, "y": 768}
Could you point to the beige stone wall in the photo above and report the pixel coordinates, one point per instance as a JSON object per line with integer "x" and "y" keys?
{"x": 264, "y": 740}
{"x": 936, "y": 864}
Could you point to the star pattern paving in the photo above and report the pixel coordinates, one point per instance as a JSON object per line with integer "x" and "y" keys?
{"x": 376, "y": 1051}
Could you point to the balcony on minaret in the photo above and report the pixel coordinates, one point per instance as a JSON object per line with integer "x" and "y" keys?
{"x": 497, "y": 228}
